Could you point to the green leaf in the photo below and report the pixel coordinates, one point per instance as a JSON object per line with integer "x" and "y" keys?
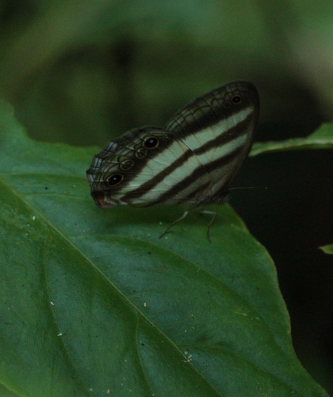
{"x": 320, "y": 139}
{"x": 94, "y": 303}
{"x": 4, "y": 392}
{"x": 327, "y": 249}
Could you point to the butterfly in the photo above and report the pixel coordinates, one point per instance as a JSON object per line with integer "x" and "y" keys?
{"x": 190, "y": 161}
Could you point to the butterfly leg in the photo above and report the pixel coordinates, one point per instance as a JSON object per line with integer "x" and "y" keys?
{"x": 211, "y": 222}
{"x": 174, "y": 223}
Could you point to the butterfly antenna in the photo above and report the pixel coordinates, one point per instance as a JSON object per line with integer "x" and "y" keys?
{"x": 247, "y": 188}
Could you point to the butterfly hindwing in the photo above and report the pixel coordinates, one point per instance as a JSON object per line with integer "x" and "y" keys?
{"x": 218, "y": 127}
{"x": 138, "y": 168}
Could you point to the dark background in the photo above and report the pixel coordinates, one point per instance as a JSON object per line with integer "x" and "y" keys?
{"x": 85, "y": 71}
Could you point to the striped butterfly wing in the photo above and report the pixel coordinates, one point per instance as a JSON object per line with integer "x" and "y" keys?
{"x": 190, "y": 161}
{"x": 218, "y": 129}
{"x": 134, "y": 168}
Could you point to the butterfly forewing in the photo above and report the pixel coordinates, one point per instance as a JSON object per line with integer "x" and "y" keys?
{"x": 191, "y": 161}
{"x": 218, "y": 128}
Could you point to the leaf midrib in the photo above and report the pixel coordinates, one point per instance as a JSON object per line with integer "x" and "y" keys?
{"x": 109, "y": 282}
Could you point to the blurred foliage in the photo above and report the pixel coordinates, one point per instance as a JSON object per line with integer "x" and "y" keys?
{"x": 85, "y": 71}
{"x": 320, "y": 139}
{"x": 328, "y": 249}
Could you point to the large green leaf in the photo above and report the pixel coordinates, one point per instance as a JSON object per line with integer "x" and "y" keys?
{"x": 320, "y": 139}
{"x": 94, "y": 303}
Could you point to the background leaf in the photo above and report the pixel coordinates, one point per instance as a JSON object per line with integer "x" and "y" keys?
{"x": 328, "y": 249}
{"x": 93, "y": 303}
{"x": 320, "y": 139}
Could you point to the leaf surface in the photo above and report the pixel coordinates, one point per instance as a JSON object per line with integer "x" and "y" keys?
{"x": 93, "y": 303}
